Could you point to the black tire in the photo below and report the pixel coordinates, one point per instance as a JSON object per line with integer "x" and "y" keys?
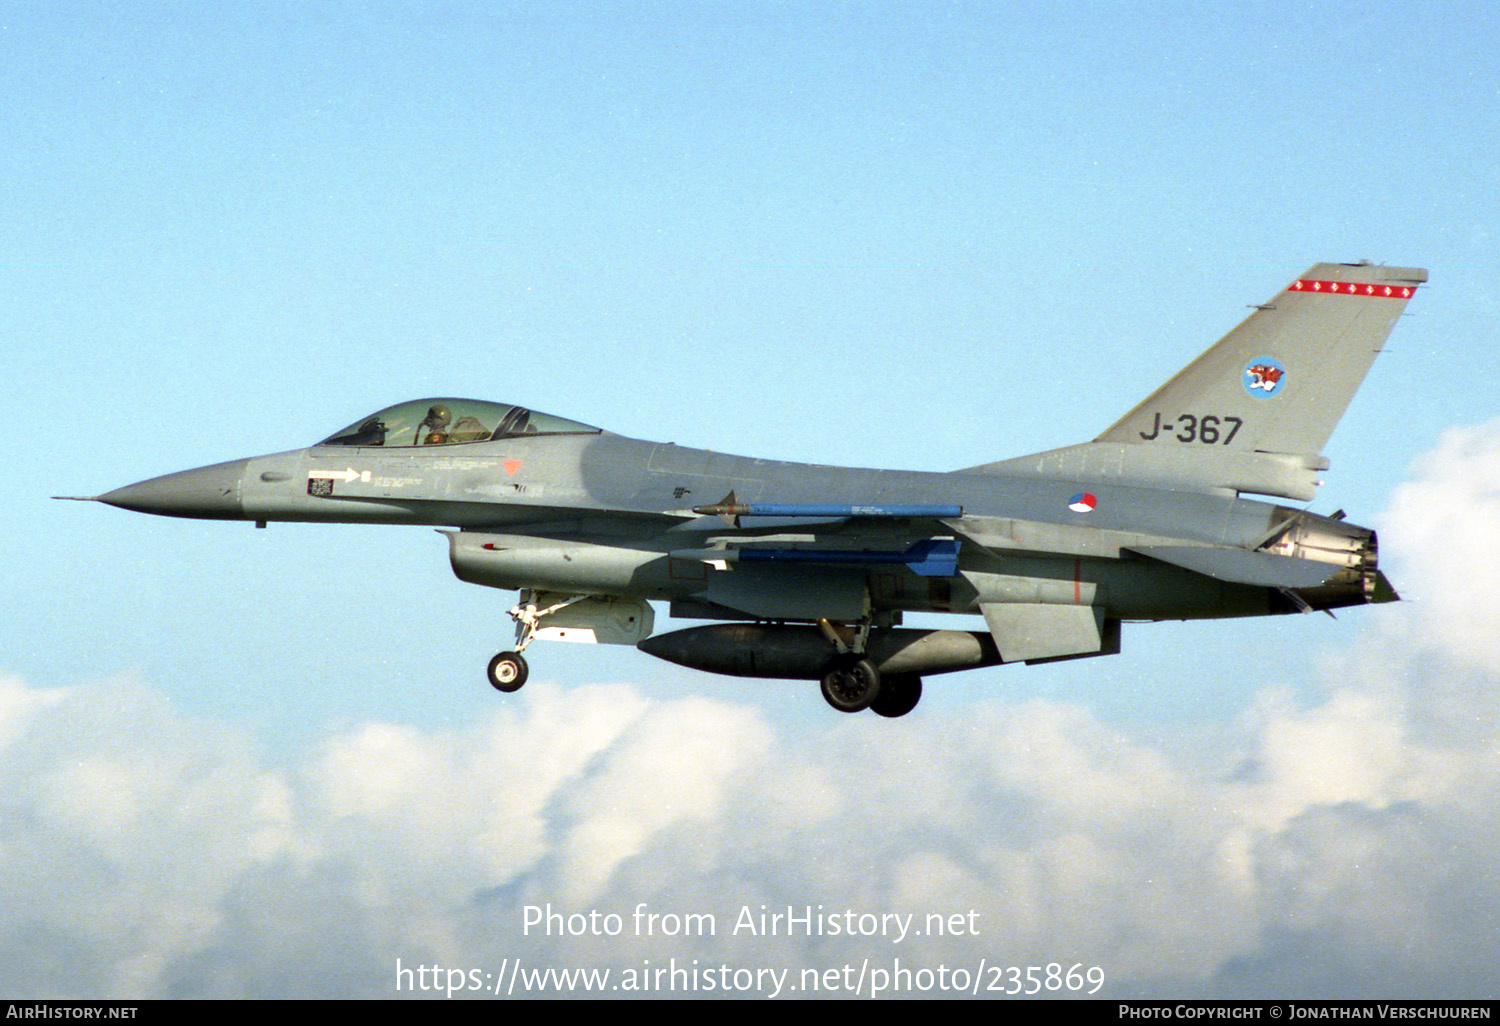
{"x": 899, "y": 695}
{"x": 851, "y": 684}
{"x": 507, "y": 672}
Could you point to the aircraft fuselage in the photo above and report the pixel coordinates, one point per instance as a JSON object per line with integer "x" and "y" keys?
{"x": 564, "y": 513}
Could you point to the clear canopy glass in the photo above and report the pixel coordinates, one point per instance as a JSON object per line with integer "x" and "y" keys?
{"x": 423, "y": 422}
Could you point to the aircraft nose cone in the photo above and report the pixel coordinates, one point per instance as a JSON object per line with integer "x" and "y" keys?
{"x": 208, "y": 492}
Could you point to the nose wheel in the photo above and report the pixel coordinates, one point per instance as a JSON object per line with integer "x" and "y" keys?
{"x": 507, "y": 672}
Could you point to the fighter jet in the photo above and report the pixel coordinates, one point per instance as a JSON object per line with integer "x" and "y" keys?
{"x": 805, "y": 571}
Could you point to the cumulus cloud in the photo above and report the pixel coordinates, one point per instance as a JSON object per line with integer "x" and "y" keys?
{"x": 1338, "y": 846}
{"x": 1443, "y": 522}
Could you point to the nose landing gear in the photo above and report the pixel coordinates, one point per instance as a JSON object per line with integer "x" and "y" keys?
{"x": 508, "y": 670}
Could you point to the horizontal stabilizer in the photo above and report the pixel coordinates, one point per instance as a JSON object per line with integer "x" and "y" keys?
{"x": 1241, "y": 566}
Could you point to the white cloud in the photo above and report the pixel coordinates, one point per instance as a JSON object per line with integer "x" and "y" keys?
{"x": 1337, "y": 846}
{"x": 1441, "y": 531}
{"x": 18, "y": 704}
{"x": 679, "y": 764}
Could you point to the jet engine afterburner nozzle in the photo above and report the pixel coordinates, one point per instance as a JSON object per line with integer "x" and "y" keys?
{"x": 1353, "y": 549}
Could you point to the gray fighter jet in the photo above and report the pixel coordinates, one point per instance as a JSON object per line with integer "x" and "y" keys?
{"x": 807, "y": 570}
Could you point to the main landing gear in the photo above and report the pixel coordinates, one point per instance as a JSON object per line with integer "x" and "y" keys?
{"x": 851, "y": 683}
{"x": 899, "y": 695}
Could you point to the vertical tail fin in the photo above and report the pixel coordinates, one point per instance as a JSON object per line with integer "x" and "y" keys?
{"x": 1280, "y": 381}
{"x": 1253, "y": 413}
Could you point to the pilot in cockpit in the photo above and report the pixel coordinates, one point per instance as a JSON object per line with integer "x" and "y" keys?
{"x": 451, "y": 422}
{"x": 434, "y": 427}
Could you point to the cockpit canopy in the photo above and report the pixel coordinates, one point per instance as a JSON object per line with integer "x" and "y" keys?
{"x": 452, "y": 422}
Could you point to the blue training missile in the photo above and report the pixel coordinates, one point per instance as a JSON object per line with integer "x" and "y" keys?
{"x": 931, "y": 557}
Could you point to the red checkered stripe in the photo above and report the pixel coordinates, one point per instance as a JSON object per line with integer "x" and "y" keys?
{"x": 1352, "y": 288}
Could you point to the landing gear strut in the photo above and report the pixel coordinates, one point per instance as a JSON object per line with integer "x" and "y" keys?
{"x": 852, "y": 682}
{"x": 508, "y": 670}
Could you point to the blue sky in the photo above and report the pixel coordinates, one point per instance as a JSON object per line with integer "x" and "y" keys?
{"x": 908, "y": 235}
